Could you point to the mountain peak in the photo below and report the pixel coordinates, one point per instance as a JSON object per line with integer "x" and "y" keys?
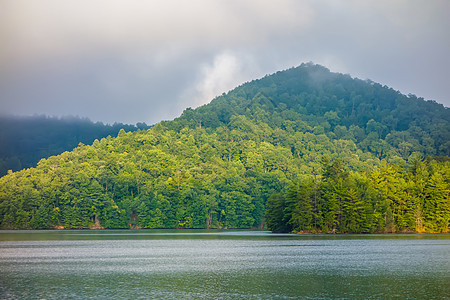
{"x": 312, "y": 93}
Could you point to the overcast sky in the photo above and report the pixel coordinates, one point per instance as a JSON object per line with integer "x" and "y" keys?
{"x": 144, "y": 61}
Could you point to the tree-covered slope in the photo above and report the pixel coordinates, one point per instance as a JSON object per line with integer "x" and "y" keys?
{"x": 26, "y": 140}
{"x": 387, "y": 199}
{"x": 310, "y": 98}
{"x": 216, "y": 166}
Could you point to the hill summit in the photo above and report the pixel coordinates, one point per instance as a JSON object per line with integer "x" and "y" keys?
{"x": 303, "y": 149}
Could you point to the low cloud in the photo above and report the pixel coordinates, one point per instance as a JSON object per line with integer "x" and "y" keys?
{"x": 132, "y": 61}
{"x": 224, "y": 74}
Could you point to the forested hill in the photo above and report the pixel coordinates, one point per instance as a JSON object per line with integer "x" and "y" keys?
{"x": 26, "y": 140}
{"x": 331, "y": 153}
{"x": 310, "y": 98}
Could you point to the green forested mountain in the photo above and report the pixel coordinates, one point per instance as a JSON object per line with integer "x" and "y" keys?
{"x": 301, "y": 150}
{"x": 26, "y": 140}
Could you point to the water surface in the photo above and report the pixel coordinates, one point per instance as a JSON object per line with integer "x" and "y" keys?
{"x": 146, "y": 264}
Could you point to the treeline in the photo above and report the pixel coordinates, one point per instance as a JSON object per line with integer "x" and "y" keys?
{"x": 161, "y": 178}
{"x": 153, "y": 179}
{"x": 386, "y": 200}
{"x": 26, "y": 140}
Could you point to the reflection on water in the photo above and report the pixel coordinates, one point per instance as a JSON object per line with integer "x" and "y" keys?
{"x": 221, "y": 264}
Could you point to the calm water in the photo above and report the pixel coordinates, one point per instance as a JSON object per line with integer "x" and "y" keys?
{"x": 221, "y": 265}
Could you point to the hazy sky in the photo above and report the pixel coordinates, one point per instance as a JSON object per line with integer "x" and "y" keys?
{"x": 145, "y": 61}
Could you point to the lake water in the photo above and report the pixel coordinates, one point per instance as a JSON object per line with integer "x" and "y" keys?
{"x": 146, "y": 264}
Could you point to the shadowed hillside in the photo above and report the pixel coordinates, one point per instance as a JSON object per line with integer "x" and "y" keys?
{"x": 26, "y": 140}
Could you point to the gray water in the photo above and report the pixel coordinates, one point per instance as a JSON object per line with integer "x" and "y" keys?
{"x": 147, "y": 264}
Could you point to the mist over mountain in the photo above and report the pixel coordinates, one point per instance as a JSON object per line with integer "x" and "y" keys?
{"x": 24, "y": 140}
{"x": 303, "y": 149}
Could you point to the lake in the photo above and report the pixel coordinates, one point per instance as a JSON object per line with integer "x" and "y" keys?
{"x": 200, "y": 264}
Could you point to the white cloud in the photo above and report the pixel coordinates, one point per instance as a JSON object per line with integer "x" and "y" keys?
{"x": 222, "y": 75}
{"x": 148, "y": 60}
{"x": 36, "y": 30}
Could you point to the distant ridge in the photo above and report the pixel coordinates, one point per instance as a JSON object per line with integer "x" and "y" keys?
{"x": 24, "y": 140}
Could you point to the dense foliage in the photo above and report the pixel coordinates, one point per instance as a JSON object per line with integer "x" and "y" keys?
{"x": 215, "y": 167}
{"x": 388, "y": 199}
{"x": 26, "y": 140}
